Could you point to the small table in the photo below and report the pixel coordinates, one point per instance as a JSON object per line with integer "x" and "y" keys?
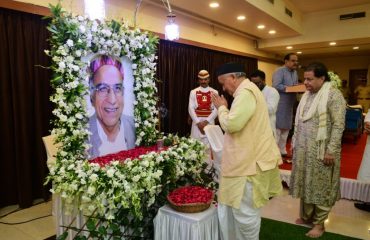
{"x": 169, "y": 225}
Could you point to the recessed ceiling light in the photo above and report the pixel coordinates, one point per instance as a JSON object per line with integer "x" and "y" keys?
{"x": 332, "y": 43}
{"x": 355, "y": 48}
{"x": 289, "y": 47}
{"x": 299, "y": 52}
{"x": 272, "y": 32}
{"x": 214, "y": 5}
{"x": 261, "y": 26}
{"x": 241, "y": 17}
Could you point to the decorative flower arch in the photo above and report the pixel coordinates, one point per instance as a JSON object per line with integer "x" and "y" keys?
{"x": 137, "y": 184}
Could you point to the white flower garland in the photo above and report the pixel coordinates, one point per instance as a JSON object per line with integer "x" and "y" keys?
{"x": 335, "y": 80}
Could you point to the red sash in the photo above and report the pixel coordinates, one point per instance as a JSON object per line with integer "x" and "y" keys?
{"x": 204, "y": 104}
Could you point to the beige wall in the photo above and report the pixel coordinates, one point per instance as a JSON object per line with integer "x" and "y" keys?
{"x": 341, "y": 65}
{"x": 269, "y": 69}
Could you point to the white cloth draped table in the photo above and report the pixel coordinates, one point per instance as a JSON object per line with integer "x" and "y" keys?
{"x": 349, "y": 188}
{"x": 169, "y": 225}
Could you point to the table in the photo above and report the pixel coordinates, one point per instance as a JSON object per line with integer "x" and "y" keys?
{"x": 169, "y": 225}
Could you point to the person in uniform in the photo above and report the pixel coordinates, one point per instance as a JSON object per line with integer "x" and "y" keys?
{"x": 201, "y": 110}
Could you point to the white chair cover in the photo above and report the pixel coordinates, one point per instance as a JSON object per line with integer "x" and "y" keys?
{"x": 216, "y": 141}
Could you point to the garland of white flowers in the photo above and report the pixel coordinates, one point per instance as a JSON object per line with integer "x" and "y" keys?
{"x": 335, "y": 80}
{"x": 103, "y": 191}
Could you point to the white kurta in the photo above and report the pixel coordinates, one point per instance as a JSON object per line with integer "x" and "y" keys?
{"x": 272, "y": 98}
{"x": 364, "y": 171}
{"x": 195, "y": 132}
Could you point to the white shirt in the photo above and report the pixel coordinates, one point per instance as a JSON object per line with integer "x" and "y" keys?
{"x": 272, "y": 98}
{"x": 107, "y": 147}
{"x": 364, "y": 170}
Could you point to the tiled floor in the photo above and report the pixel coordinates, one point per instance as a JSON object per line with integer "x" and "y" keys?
{"x": 344, "y": 219}
{"x": 35, "y": 230}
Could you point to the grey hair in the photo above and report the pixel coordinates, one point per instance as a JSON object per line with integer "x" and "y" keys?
{"x": 240, "y": 74}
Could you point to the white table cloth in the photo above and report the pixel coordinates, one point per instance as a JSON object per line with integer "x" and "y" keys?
{"x": 170, "y": 225}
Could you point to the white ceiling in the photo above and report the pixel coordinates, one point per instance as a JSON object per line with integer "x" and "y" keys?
{"x": 225, "y": 17}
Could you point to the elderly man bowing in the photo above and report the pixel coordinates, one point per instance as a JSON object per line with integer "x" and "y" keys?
{"x": 250, "y": 158}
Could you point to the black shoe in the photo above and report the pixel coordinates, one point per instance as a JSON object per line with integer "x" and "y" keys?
{"x": 363, "y": 206}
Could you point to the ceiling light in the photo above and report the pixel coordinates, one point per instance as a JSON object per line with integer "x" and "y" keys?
{"x": 214, "y": 5}
{"x": 272, "y": 32}
{"x": 171, "y": 29}
{"x": 95, "y": 9}
{"x": 299, "y": 52}
{"x": 332, "y": 43}
{"x": 289, "y": 47}
{"x": 261, "y": 26}
{"x": 355, "y": 48}
{"x": 241, "y": 17}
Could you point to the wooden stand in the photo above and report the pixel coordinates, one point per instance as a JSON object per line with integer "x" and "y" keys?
{"x": 296, "y": 88}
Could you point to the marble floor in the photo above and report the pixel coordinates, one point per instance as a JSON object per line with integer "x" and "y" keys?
{"x": 344, "y": 219}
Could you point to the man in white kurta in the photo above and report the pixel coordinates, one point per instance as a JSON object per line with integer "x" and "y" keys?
{"x": 270, "y": 94}
{"x": 250, "y": 157}
{"x": 201, "y": 109}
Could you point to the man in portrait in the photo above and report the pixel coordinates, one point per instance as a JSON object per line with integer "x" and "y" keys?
{"x": 112, "y": 131}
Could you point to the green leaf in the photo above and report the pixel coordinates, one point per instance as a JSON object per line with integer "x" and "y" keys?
{"x": 115, "y": 26}
{"x": 63, "y": 236}
{"x": 90, "y": 224}
{"x": 102, "y": 230}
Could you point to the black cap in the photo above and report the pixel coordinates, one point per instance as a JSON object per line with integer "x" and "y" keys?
{"x": 231, "y": 67}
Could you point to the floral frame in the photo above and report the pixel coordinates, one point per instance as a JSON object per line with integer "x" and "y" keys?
{"x": 126, "y": 187}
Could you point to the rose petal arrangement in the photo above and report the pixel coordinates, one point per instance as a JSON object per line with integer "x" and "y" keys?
{"x": 190, "y": 195}
{"x": 122, "y": 156}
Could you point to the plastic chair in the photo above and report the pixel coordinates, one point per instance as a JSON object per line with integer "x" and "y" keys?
{"x": 354, "y": 122}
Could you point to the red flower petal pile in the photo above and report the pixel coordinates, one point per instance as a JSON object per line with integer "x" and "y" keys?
{"x": 123, "y": 155}
{"x": 191, "y": 194}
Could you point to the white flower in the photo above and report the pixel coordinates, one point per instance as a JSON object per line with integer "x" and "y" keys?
{"x": 82, "y": 29}
{"x": 62, "y": 65}
{"x": 91, "y": 190}
{"x": 110, "y": 172}
{"x": 75, "y": 68}
{"x": 93, "y": 177}
{"x": 136, "y": 178}
{"x": 60, "y": 90}
{"x": 144, "y": 163}
{"x": 79, "y": 116}
{"x": 70, "y": 43}
{"x": 129, "y": 164}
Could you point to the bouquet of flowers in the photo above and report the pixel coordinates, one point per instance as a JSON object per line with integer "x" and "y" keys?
{"x": 190, "y": 199}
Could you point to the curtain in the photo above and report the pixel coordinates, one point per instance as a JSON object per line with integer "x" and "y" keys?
{"x": 177, "y": 70}
{"x": 25, "y": 107}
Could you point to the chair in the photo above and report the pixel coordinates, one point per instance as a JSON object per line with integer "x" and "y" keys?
{"x": 354, "y": 122}
{"x": 51, "y": 150}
